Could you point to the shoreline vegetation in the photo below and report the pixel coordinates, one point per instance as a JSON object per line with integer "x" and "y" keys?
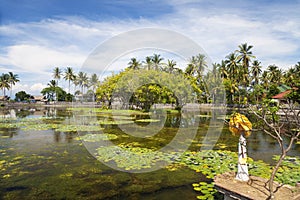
{"x": 239, "y": 80}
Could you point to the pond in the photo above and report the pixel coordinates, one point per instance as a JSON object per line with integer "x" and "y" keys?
{"x": 67, "y": 153}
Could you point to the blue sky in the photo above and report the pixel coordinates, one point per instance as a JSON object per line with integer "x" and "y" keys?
{"x": 37, "y": 35}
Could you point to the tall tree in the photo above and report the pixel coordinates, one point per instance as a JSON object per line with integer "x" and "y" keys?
{"x": 82, "y": 80}
{"x": 94, "y": 82}
{"x": 245, "y": 56}
{"x": 274, "y": 74}
{"x": 4, "y": 83}
{"x": 201, "y": 63}
{"x": 75, "y": 82}
{"x": 156, "y": 60}
{"x": 148, "y": 63}
{"x": 222, "y": 69}
{"x": 57, "y": 75}
{"x": 232, "y": 67}
{"x": 170, "y": 66}
{"x": 12, "y": 80}
{"x": 69, "y": 75}
{"x": 256, "y": 71}
{"x": 197, "y": 64}
{"x": 134, "y": 64}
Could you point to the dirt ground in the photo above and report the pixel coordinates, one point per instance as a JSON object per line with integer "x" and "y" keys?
{"x": 256, "y": 188}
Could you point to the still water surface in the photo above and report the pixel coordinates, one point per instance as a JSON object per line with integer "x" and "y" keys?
{"x": 43, "y": 163}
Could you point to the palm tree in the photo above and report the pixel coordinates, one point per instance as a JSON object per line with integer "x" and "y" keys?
{"x": 69, "y": 75}
{"x": 223, "y": 70}
{"x": 265, "y": 80}
{"x": 4, "y": 83}
{"x": 256, "y": 71}
{"x": 197, "y": 64}
{"x": 52, "y": 84}
{"x": 297, "y": 67}
{"x": 170, "y": 66}
{"x": 201, "y": 63}
{"x": 12, "y": 80}
{"x": 232, "y": 67}
{"x": 148, "y": 63}
{"x": 245, "y": 56}
{"x": 274, "y": 74}
{"x": 51, "y": 90}
{"x": 134, "y": 64}
{"x": 156, "y": 59}
{"x": 75, "y": 82}
{"x": 57, "y": 75}
{"x": 292, "y": 75}
{"x": 190, "y": 69}
{"x": 82, "y": 79}
{"x": 94, "y": 81}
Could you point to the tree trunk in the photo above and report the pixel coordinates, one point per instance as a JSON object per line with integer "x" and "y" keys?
{"x": 242, "y": 173}
{"x": 271, "y": 181}
{"x": 10, "y": 90}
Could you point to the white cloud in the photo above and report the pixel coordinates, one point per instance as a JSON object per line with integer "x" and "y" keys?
{"x": 219, "y": 28}
{"x": 34, "y": 89}
{"x": 39, "y": 59}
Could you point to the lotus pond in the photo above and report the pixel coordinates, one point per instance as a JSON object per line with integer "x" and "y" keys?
{"x": 87, "y": 153}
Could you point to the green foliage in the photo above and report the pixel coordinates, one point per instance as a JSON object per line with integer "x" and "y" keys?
{"x": 207, "y": 189}
{"x": 289, "y": 172}
{"x": 294, "y": 95}
{"x": 131, "y": 157}
{"x": 96, "y": 137}
{"x": 21, "y": 96}
{"x": 151, "y": 86}
{"x": 273, "y": 90}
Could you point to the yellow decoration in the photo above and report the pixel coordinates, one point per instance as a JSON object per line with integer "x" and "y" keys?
{"x": 240, "y": 124}
{"x": 243, "y": 161}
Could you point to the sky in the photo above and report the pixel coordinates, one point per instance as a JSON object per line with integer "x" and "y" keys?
{"x": 37, "y": 35}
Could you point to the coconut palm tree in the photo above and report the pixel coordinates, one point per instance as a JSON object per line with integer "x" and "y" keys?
{"x": 82, "y": 79}
{"x": 201, "y": 64}
{"x": 57, "y": 75}
{"x": 245, "y": 56}
{"x": 50, "y": 90}
{"x": 148, "y": 63}
{"x": 52, "y": 84}
{"x": 197, "y": 64}
{"x": 69, "y": 75}
{"x": 170, "y": 66}
{"x": 274, "y": 74}
{"x": 256, "y": 71}
{"x": 134, "y": 64}
{"x": 190, "y": 69}
{"x": 222, "y": 69}
{"x": 156, "y": 60}
{"x": 94, "y": 82}
{"x": 75, "y": 82}
{"x": 12, "y": 80}
{"x": 4, "y": 83}
{"x": 232, "y": 67}
{"x": 265, "y": 80}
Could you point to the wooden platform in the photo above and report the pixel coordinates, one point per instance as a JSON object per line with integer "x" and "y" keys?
{"x": 255, "y": 188}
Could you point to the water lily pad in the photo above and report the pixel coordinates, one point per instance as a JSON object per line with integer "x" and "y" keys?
{"x": 97, "y": 137}
{"x": 147, "y": 120}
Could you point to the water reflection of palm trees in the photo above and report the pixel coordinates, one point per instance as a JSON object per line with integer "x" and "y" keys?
{"x": 68, "y": 136}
